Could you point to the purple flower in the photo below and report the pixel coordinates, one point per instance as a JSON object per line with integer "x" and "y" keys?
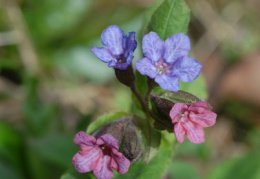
{"x": 99, "y": 155}
{"x": 191, "y": 119}
{"x": 118, "y": 47}
{"x": 168, "y": 61}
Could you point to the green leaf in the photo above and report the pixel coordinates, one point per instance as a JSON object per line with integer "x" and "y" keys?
{"x": 105, "y": 119}
{"x": 122, "y": 99}
{"x": 174, "y": 97}
{"x": 247, "y": 166}
{"x": 141, "y": 83}
{"x": 196, "y": 87}
{"x": 75, "y": 175}
{"x": 157, "y": 166}
{"x": 67, "y": 176}
{"x": 159, "y": 163}
{"x": 134, "y": 171}
{"x": 182, "y": 170}
{"x": 171, "y": 17}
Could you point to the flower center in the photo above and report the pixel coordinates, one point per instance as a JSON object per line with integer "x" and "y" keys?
{"x": 183, "y": 116}
{"x": 121, "y": 59}
{"x": 161, "y": 67}
{"x": 105, "y": 149}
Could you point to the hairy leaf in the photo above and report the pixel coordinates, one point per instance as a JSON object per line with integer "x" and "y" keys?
{"x": 171, "y": 17}
{"x": 104, "y": 120}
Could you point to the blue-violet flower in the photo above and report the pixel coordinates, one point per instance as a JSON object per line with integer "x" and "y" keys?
{"x": 118, "y": 47}
{"x": 167, "y": 61}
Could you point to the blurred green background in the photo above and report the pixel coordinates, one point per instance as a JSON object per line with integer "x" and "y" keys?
{"x": 51, "y": 86}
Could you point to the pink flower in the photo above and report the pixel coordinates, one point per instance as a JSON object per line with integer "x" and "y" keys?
{"x": 99, "y": 155}
{"x": 191, "y": 119}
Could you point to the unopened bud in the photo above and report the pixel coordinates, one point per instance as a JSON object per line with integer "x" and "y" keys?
{"x": 128, "y": 136}
{"x": 125, "y": 76}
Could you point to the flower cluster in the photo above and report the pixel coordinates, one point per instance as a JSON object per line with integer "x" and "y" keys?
{"x": 163, "y": 62}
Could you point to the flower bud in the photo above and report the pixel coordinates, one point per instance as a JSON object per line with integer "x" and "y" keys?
{"x": 128, "y": 136}
{"x": 125, "y": 76}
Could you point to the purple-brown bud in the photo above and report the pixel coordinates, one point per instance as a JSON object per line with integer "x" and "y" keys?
{"x": 128, "y": 136}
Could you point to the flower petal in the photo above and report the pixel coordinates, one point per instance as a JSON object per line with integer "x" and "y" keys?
{"x": 108, "y": 140}
{"x": 112, "y": 64}
{"x": 103, "y": 54}
{"x": 187, "y": 69}
{"x": 205, "y": 119}
{"x": 120, "y": 66}
{"x": 201, "y": 114}
{"x": 122, "y": 162}
{"x": 129, "y": 58}
{"x": 199, "y": 104}
{"x": 112, "y": 38}
{"x": 152, "y": 46}
{"x": 167, "y": 82}
{"x": 103, "y": 169}
{"x": 145, "y": 67}
{"x": 82, "y": 138}
{"x": 129, "y": 47}
{"x": 179, "y": 132}
{"x": 199, "y": 107}
{"x": 176, "y": 46}
{"x": 176, "y": 110}
{"x": 194, "y": 133}
{"x": 84, "y": 161}
{"x": 130, "y": 43}
{"x": 113, "y": 164}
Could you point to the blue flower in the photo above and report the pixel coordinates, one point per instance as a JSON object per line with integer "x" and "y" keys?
{"x": 118, "y": 47}
{"x": 167, "y": 62}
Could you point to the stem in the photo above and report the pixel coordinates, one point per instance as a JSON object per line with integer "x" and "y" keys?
{"x": 139, "y": 98}
{"x": 145, "y": 107}
{"x": 144, "y": 104}
{"x": 150, "y": 84}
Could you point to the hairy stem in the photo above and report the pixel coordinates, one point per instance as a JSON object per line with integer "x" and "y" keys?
{"x": 139, "y": 98}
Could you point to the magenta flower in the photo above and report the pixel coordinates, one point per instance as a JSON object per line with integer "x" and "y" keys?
{"x": 190, "y": 120}
{"x": 118, "y": 47}
{"x": 99, "y": 155}
{"x": 167, "y": 62}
